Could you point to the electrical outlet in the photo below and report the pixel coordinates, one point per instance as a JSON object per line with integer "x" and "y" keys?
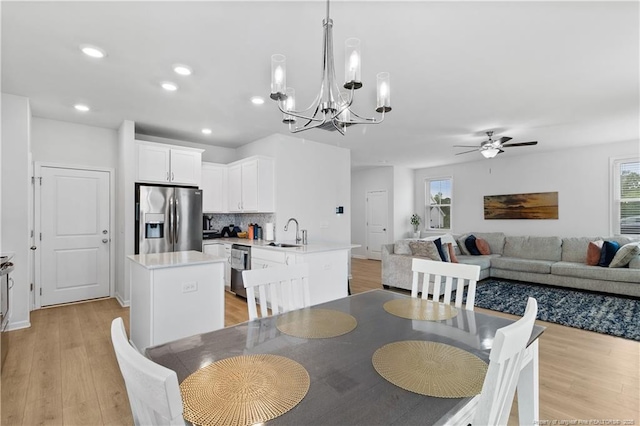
{"x": 326, "y": 266}
{"x": 189, "y": 287}
{"x": 324, "y": 225}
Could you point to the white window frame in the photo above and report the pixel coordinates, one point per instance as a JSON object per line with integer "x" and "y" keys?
{"x": 427, "y": 203}
{"x": 615, "y": 200}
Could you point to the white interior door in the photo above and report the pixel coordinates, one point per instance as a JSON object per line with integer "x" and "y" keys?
{"x": 74, "y": 223}
{"x": 377, "y": 218}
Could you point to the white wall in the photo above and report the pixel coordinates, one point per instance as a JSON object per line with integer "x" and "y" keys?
{"x": 211, "y": 154}
{"x": 580, "y": 176}
{"x": 16, "y": 190}
{"x": 403, "y": 202}
{"x": 71, "y": 144}
{"x": 312, "y": 179}
{"x": 363, "y": 181}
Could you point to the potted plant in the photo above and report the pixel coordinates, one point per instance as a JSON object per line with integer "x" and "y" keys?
{"x": 415, "y": 221}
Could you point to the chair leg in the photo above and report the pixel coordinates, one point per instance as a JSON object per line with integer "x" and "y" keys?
{"x": 528, "y": 388}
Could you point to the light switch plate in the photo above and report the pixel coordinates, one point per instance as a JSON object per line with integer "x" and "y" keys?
{"x": 190, "y": 287}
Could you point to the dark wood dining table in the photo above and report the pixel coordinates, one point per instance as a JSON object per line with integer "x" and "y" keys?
{"x": 345, "y": 389}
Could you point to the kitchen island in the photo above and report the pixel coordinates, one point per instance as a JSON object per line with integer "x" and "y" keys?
{"x": 175, "y": 295}
{"x": 328, "y": 262}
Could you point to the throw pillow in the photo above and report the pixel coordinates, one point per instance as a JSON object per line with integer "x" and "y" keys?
{"x": 609, "y": 249}
{"x": 402, "y": 247}
{"x": 438, "y": 244}
{"x": 593, "y": 252}
{"x": 461, "y": 245}
{"x": 483, "y": 246}
{"x": 425, "y": 249}
{"x": 452, "y": 253}
{"x": 470, "y": 243}
{"x": 624, "y": 255}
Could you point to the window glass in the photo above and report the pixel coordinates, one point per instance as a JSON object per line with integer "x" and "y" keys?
{"x": 627, "y": 202}
{"x": 438, "y": 203}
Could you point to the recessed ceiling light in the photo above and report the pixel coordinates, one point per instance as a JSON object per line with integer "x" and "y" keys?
{"x": 168, "y": 86}
{"x": 81, "y": 107}
{"x": 257, "y": 100}
{"x": 182, "y": 69}
{"x": 206, "y": 131}
{"x": 93, "y": 51}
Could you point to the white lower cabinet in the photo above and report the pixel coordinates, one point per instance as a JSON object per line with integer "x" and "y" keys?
{"x": 328, "y": 270}
{"x": 221, "y": 250}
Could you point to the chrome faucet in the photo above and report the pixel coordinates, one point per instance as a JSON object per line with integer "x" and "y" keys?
{"x": 286, "y": 227}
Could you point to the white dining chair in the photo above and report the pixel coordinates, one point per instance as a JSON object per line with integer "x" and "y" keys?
{"x": 153, "y": 390}
{"x": 280, "y": 288}
{"x": 439, "y": 271}
{"x": 505, "y": 364}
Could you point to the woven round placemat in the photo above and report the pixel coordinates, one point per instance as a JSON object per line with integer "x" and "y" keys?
{"x": 316, "y": 323}
{"x": 431, "y": 368}
{"x": 243, "y": 390}
{"x": 419, "y": 309}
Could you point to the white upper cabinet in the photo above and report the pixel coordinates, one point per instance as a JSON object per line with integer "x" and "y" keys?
{"x": 251, "y": 186}
{"x": 214, "y": 188}
{"x": 160, "y": 163}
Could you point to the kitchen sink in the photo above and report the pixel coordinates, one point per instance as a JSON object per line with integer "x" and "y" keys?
{"x": 285, "y": 245}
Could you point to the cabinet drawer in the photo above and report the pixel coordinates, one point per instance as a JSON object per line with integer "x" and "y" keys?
{"x": 269, "y": 255}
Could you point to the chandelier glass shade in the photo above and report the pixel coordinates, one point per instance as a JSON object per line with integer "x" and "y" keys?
{"x": 332, "y": 107}
{"x": 488, "y": 151}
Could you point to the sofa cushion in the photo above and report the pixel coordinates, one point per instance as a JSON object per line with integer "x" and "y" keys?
{"x": 452, "y": 253}
{"x": 484, "y": 262}
{"x": 624, "y": 255}
{"x": 580, "y": 270}
{"x": 402, "y": 247}
{"x": 537, "y": 248}
{"x": 609, "y": 249}
{"x": 424, "y": 249}
{"x": 472, "y": 248}
{"x": 594, "y": 249}
{"x": 574, "y": 249}
{"x": 444, "y": 257}
{"x": 494, "y": 239}
{"x": 522, "y": 265}
{"x": 462, "y": 246}
{"x": 483, "y": 246}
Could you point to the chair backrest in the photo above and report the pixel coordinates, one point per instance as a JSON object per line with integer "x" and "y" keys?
{"x": 459, "y": 272}
{"x": 505, "y": 363}
{"x": 153, "y": 390}
{"x": 280, "y": 288}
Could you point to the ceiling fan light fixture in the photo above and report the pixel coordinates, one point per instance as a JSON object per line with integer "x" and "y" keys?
{"x": 489, "y": 152}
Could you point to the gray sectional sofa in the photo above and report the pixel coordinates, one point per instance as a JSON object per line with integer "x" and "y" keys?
{"x": 544, "y": 260}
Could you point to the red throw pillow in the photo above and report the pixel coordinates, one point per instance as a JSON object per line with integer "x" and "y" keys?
{"x": 483, "y": 246}
{"x": 593, "y": 252}
{"x": 452, "y": 253}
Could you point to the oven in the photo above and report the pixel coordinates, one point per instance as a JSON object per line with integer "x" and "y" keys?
{"x": 6, "y": 282}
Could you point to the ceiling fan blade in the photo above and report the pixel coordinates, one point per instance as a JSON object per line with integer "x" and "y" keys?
{"x": 466, "y": 152}
{"x": 504, "y": 139}
{"x": 520, "y": 144}
{"x": 466, "y": 146}
{"x": 500, "y": 151}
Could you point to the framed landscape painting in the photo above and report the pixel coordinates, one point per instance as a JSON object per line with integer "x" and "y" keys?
{"x": 535, "y": 205}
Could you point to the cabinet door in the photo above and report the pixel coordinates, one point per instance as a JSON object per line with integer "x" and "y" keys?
{"x": 185, "y": 167}
{"x": 250, "y": 186}
{"x": 213, "y": 185}
{"x": 225, "y": 251}
{"x": 234, "y": 195}
{"x": 154, "y": 163}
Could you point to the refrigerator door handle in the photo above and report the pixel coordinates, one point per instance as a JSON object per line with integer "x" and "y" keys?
{"x": 171, "y": 220}
{"x": 177, "y": 219}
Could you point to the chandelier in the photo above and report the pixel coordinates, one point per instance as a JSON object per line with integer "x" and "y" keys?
{"x": 331, "y": 109}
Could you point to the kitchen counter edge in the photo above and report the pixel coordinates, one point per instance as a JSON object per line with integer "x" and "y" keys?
{"x": 263, "y": 244}
{"x": 174, "y": 259}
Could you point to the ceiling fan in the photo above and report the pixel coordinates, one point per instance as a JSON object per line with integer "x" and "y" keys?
{"x": 492, "y": 147}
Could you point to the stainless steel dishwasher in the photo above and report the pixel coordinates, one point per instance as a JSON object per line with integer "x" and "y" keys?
{"x": 240, "y": 260}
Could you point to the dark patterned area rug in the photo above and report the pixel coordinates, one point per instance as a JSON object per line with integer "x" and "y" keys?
{"x": 617, "y": 316}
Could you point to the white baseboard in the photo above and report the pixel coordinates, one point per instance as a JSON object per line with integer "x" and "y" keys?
{"x": 18, "y": 325}
{"x": 359, "y": 256}
{"x": 123, "y": 303}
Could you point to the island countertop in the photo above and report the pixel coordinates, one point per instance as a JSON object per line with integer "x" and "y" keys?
{"x": 174, "y": 259}
{"x": 300, "y": 249}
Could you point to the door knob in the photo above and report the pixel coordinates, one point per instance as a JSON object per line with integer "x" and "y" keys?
{"x": 384, "y": 229}
{"x": 104, "y": 240}
{"x": 104, "y": 231}
{"x": 33, "y": 247}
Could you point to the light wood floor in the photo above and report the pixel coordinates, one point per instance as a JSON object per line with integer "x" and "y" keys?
{"x": 62, "y": 370}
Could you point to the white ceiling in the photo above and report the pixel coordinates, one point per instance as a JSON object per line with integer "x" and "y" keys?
{"x": 562, "y": 73}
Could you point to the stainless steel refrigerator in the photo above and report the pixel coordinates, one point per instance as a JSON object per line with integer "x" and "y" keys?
{"x": 168, "y": 218}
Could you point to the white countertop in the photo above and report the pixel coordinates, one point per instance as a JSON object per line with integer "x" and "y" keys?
{"x": 302, "y": 249}
{"x": 174, "y": 259}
